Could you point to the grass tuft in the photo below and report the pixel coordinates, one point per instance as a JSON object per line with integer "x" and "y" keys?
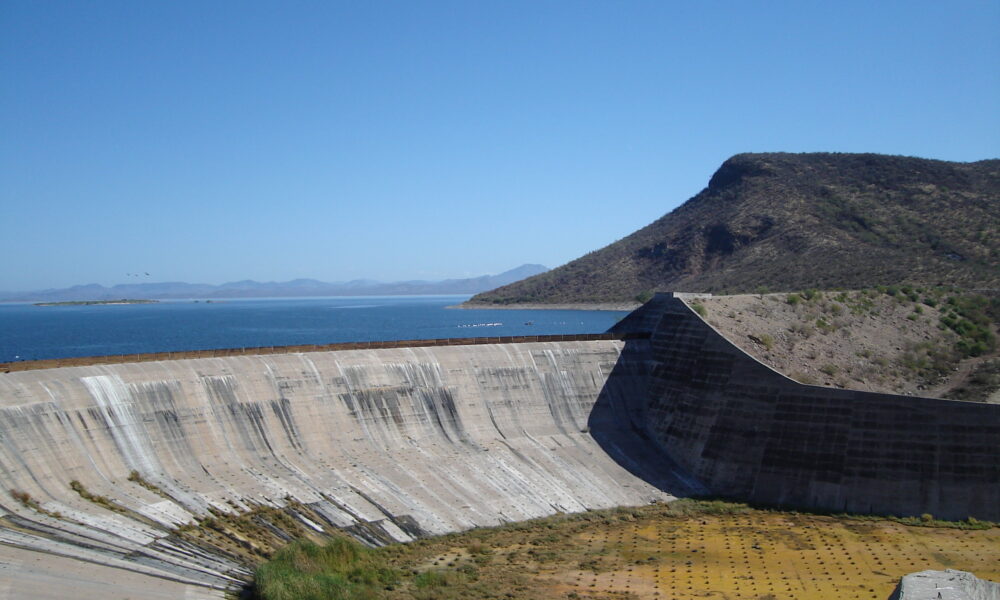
{"x": 340, "y": 569}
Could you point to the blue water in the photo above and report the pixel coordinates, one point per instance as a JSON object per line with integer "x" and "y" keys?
{"x": 29, "y": 332}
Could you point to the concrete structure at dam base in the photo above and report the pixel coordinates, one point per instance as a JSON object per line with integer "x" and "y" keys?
{"x": 105, "y": 469}
{"x": 945, "y": 585}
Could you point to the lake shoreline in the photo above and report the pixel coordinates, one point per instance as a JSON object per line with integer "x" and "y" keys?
{"x": 614, "y": 306}
{"x": 96, "y": 302}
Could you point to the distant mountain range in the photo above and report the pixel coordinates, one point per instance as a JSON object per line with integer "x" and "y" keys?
{"x": 784, "y": 222}
{"x": 285, "y": 289}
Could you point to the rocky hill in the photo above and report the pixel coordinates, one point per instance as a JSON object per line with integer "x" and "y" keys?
{"x": 784, "y": 222}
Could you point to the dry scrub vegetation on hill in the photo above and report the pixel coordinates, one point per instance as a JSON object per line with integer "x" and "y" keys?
{"x": 792, "y": 221}
{"x": 905, "y": 340}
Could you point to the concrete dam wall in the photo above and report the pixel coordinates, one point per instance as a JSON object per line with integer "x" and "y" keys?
{"x": 103, "y": 463}
{"x": 747, "y": 432}
{"x": 130, "y": 476}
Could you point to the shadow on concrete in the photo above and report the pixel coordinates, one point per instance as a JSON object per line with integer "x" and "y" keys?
{"x": 897, "y": 592}
{"x": 754, "y": 435}
{"x": 616, "y": 424}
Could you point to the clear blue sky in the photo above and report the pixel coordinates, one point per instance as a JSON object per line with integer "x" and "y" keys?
{"x": 217, "y": 141}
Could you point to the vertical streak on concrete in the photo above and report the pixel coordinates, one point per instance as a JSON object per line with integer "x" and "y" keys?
{"x": 389, "y": 443}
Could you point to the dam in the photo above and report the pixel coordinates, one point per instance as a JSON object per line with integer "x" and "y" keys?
{"x": 110, "y": 471}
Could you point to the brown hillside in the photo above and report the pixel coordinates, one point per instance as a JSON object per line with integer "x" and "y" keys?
{"x": 794, "y": 221}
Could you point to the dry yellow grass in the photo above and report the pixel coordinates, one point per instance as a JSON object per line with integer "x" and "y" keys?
{"x": 650, "y": 553}
{"x": 763, "y": 555}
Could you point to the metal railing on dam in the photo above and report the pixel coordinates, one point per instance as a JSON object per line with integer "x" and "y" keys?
{"x": 110, "y": 359}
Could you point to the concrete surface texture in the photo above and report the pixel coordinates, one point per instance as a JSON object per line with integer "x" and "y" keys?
{"x": 748, "y": 432}
{"x": 946, "y": 585}
{"x": 389, "y": 444}
{"x": 104, "y": 468}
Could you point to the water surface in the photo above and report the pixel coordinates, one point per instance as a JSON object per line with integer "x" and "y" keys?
{"x": 29, "y": 332}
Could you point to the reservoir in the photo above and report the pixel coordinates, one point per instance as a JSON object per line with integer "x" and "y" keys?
{"x": 29, "y": 332}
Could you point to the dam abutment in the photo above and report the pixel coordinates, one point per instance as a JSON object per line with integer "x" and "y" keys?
{"x": 750, "y": 433}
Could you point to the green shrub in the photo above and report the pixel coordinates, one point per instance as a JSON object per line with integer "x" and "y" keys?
{"x": 340, "y": 569}
{"x": 804, "y": 378}
{"x": 973, "y": 319}
{"x": 434, "y": 579}
{"x": 767, "y": 341}
{"x": 824, "y": 326}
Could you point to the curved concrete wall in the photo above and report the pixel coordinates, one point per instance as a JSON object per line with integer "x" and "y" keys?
{"x": 390, "y": 444}
{"x": 748, "y": 432}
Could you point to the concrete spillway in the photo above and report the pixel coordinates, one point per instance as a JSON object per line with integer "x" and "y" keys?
{"x": 388, "y": 444}
{"x": 103, "y": 468}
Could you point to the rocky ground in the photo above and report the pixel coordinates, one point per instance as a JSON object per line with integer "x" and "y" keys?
{"x": 904, "y": 341}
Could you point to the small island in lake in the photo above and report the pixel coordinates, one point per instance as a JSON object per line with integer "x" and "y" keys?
{"x": 93, "y": 302}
